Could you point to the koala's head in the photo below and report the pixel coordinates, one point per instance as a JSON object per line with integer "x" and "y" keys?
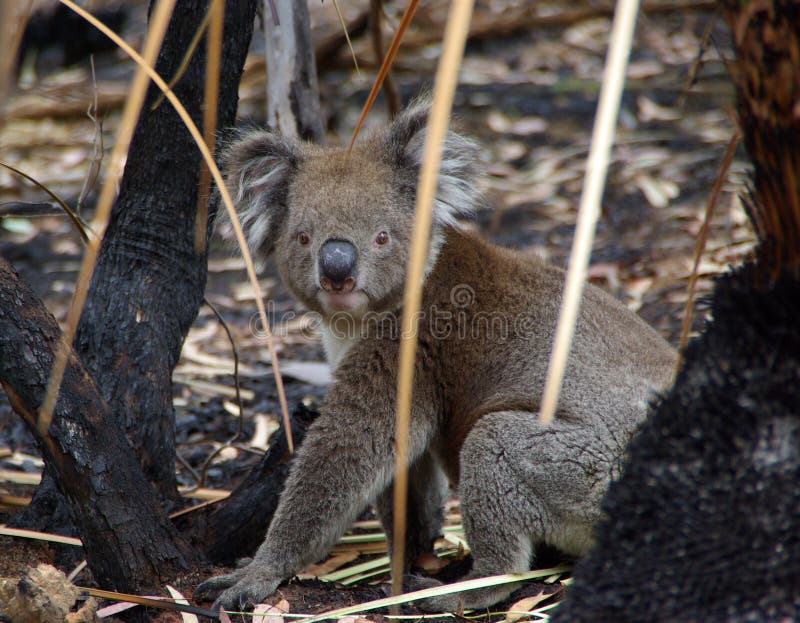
{"x": 338, "y": 224}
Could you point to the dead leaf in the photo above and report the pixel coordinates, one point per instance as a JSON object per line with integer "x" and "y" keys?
{"x": 650, "y": 111}
{"x": 265, "y": 426}
{"x": 657, "y": 192}
{"x": 525, "y": 126}
{"x": 264, "y": 613}
{"x": 186, "y": 617}
{"x": 523, "y": 607}
{"x": 244, "y": 291}
{"x": 328, "y": 566}
{"x": 430, "y": 563}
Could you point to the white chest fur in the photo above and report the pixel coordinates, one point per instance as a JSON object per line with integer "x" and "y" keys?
{"x": 336, "y": 344}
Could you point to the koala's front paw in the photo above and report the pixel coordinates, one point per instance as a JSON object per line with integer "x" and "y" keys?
{"x": 236, "y": 590}
{"x": 208, "y": 590}
{"x": 247, "y": 591}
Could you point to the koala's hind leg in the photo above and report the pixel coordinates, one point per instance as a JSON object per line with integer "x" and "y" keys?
{"x": 427, "y": 490}
{"x": 522, "y": 484}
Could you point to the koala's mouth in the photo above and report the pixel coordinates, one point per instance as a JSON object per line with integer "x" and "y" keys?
{"x": 342, "y": 301}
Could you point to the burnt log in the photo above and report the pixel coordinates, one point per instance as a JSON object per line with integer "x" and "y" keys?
{"x": 237, "y": 527}
{"x": 129, "y": 541}
{"x": 148, "y": 283}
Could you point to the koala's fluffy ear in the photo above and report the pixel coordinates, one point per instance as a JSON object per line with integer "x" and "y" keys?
{"x": 258, "y": 167}
{"x": 456, "y": 193}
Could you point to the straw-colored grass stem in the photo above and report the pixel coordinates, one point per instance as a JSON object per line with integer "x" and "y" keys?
{"x": 388, "y": 59}
{"x": 702, "y": 237}
{"x": 455, "y": 37}
{"x": 619, "y": 47}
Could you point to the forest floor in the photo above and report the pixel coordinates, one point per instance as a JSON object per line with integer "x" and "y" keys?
{"x": 527, "y": 91}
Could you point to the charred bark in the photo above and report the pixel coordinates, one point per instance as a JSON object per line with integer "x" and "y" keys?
{"x": 149, "y": 281}
{"x": 236, "y": 528}
{"x": 129, "y": 542}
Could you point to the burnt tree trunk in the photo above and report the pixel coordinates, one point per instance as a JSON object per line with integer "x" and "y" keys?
{"x": 129, "y": 541}
{"x": 148, "y": 283}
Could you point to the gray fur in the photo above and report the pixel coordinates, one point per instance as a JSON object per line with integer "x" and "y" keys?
{"x": 477, "y": 384}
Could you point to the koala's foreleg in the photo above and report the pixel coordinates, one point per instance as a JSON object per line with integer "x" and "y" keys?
{"x": 346, "y": 460}
{"x": 522, "y": 484}
{"x": 427, "y": 492}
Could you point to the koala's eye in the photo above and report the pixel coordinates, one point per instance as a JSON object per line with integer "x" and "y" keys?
{"x": 382, "y": 238}
{"x": 303, "y": 238}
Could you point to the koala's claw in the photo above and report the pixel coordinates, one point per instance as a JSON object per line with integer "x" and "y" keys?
{"x": 242, "y": 592}
{"x": 212, "y": 587}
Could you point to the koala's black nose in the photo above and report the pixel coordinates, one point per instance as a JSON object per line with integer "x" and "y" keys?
{"x": 337, "y": 261}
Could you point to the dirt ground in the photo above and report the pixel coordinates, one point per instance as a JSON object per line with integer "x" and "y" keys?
{"x": 527, "y": 91}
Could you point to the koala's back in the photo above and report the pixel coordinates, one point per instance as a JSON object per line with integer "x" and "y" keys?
{"x": 704, "y": 525}
{"x": 489, "y": 319}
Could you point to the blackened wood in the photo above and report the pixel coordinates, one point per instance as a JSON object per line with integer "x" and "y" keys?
{"x": 129, "y": 542}
{"x": 148, "y": 283}
{"x": 237, "y": 527}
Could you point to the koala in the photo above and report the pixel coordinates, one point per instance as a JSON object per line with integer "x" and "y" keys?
{"x": 704, "y": 523}
{"x": 338, "y": 226}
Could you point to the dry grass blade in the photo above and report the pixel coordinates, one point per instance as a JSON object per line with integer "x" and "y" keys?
{"x": 596, "y": 166}
{"x": 346, "y": 34}
{"x": 20, "y": 478}
{"x": 389, "y": 87}
{"x": 133, "y": 105}
{"x": 39, "y": 536}
{"x": 455, "y": 37}
{"x": 702, "y": 236}
{"x": 13, "y": 502}
{"x": 522, "y": 609}
{"x": 186, "y": 617}
{"x": 235, "y": 352}
{"x": 77, "y": 571}
{"x": 96, "y": 159}
{"x": 216, "y": 15}
{"x": 80, "y": 226}
{"x": 224, "y": 195}
{"x": 384, "y": 70}
{"x": 457, "y": 587}
{"x": 150, "y": 602}
{"x": 201, "y": 29}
